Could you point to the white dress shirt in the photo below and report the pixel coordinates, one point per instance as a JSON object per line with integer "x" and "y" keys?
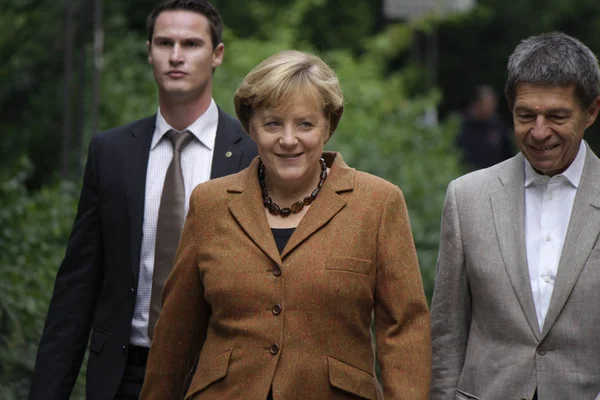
{"x": 196, "y": 162}
{"x": 548, "y": 206}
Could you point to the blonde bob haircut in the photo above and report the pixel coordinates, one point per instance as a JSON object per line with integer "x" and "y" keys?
{"x": 285, "y": 76}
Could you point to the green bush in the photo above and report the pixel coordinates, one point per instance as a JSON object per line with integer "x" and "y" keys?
{"x": 383, "y": 131}
{"x": 33, "y": 234}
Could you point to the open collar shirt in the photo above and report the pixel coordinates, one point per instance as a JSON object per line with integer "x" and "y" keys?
{"x": 548, "y": 206}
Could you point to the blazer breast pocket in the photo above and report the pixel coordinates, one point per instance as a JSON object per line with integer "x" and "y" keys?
{"x": 348, "y": 264}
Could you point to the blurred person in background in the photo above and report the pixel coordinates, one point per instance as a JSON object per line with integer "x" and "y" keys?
{"x": 131, "y": 209}
{"x": 484, "y": 138}
{"x": 515, "y": 306}
{"x": 282, "y": 267}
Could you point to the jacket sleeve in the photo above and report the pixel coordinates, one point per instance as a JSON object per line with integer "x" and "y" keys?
{"x": 78, "y": 282}
{"x": 401, "y": 312}
{"x": 451, "y": 305}
{"x": 181, "y": 327}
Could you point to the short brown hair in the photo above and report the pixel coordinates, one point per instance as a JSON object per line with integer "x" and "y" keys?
{"x": 199, "y": 6}
{"x": 274, "y": 82}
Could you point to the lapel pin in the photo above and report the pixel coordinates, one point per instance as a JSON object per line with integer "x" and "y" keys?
{"x": 228, "y": 154}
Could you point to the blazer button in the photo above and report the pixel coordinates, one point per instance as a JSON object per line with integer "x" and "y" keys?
{"x": 276, "y": 309}
{"x": 274, "y": 349}
{"x": 124, "y": 349}
{"x": 277, "y": 270}
{"x": 541, "y": 350}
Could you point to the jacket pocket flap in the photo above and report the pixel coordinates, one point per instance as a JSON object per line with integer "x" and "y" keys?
{"x": 461, "y": 394}
{"x": 209, "y": 372}
{"x": 97, "y": 341}
{"x": 351, "y": 379}
{"x": 348, "y": 264}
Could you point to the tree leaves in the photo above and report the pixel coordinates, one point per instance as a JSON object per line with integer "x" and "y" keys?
{"x": 33, "y": 234}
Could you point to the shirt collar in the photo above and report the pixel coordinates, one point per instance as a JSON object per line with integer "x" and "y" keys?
{"x": 203, "y": 129}
{"x": 571, "y": 174}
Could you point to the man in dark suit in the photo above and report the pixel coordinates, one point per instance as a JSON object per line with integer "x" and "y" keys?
{"x": 107, "y": 283}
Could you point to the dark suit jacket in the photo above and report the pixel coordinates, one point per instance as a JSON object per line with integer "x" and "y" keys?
{"x": 97, "y": 281}
{"x": 351, "y": 259}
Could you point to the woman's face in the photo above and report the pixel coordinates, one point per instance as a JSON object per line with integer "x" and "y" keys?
{"x": 290, "y": 142}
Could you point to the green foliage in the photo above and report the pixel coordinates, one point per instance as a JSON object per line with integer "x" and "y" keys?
{"x": 32, "y": 48}
{"x": 383, "y": 131}
{"x": 33, "y": 233}
{"x": 32, "y": 45}
{"x": 125, "y": 71}
{"x": 474, "y": 47}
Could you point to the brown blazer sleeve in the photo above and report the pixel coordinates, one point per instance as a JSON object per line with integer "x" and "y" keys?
{"x": 401, "y": 313}
{"x": 181, "y": 327}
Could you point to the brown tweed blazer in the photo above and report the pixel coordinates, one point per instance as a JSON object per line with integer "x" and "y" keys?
{"x": 300, "y": 322}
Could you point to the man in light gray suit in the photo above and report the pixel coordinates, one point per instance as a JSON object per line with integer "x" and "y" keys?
{"x": 516, "y": 306}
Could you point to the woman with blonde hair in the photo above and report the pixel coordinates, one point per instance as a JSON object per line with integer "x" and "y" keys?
{"x": 282, "y": 268}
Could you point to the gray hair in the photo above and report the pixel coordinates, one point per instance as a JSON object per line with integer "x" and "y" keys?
{"x": 554, "y": 59}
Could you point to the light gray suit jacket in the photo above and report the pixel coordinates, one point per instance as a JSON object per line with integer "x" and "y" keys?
{"x": 486, "y": 340}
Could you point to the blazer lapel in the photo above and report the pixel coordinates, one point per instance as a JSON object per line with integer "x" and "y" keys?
{"x": 327, "y": 204}
{"x": 508, "y": 209}
{"x": 227, "y": 152}
{"x": 137, "y": 148}
{"x": 247, "y": 208}
{"x": 582, "y": 233}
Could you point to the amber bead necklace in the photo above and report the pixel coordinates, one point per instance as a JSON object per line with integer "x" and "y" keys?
{"x": 297, "y": 206}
